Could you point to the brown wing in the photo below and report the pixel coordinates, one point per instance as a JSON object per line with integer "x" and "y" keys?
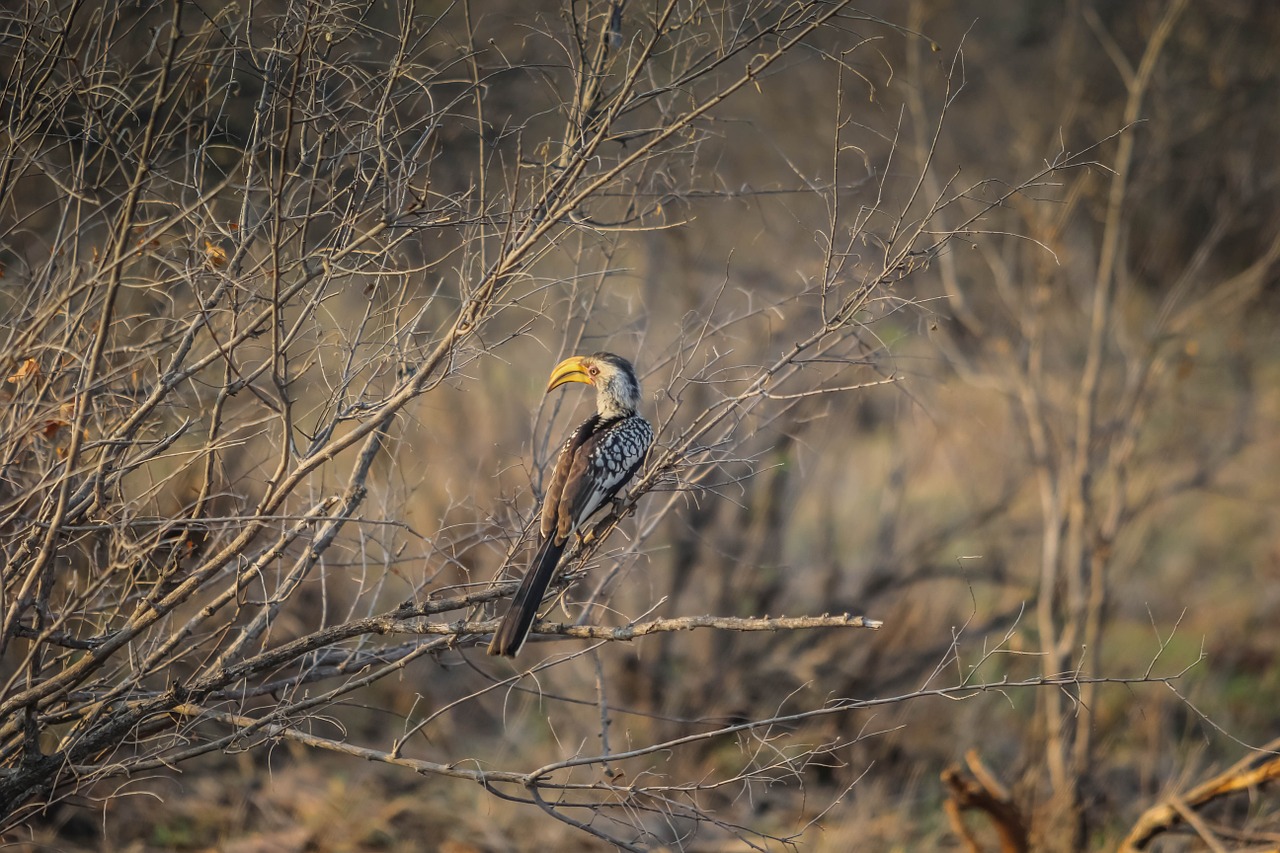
{"x": 561, "y": 474}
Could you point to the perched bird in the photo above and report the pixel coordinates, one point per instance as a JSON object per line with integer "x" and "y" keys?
{"x": 598, "y": 459}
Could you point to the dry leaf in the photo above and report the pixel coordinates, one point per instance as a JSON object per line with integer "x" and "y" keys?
{"x": 30, "y": 367}
{"x": 52, "y": 427}
{"x": 215, "y": 255}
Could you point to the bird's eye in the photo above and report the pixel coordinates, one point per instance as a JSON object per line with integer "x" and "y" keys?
{"x": 593, "y": 370}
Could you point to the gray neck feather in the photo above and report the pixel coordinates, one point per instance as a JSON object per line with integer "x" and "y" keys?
{"x": 618, "y": 397}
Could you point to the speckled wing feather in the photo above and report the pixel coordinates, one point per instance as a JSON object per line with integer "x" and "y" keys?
{"x": 601, "y": 466}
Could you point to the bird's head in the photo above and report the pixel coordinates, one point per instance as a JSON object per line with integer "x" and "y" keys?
{"x": 613, "y": 377}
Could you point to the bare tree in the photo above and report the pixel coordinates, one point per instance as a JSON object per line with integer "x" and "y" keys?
{"x": 247, "y": 246}
{"x": 1091, "y": 387}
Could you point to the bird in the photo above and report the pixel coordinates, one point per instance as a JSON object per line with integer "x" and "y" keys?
{"x": 596, "y": 461}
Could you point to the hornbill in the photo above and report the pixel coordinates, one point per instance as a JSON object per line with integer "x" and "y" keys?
{"x": 597, "y": 460}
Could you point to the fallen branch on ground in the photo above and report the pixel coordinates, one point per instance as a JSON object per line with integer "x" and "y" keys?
{"x": 1250, "y": 772}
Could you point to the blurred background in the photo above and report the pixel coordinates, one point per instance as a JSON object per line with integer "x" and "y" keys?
{"x": 956, "y": 315}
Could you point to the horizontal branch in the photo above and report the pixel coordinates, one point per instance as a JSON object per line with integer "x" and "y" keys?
{"x": 275, "y": 726}
{"x": 272, "y": 727}
{"x": 272, "y": 730}
{"x": 630, "y": 632}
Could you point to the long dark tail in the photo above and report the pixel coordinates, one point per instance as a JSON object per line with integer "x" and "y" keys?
{"x": 514, "y": 630}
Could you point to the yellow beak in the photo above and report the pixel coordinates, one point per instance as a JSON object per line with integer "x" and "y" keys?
{"x": 572, "y": 369}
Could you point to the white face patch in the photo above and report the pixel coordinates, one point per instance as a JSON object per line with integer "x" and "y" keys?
{"x": 617, "y": 389}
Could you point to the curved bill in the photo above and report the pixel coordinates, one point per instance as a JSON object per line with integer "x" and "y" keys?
{"x": 572, "y": 369}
